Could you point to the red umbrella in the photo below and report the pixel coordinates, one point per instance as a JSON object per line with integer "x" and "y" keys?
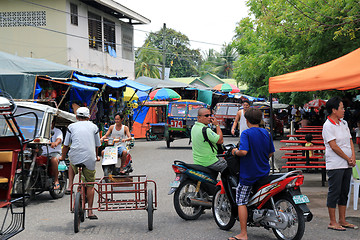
{"x": 317, "y": 103}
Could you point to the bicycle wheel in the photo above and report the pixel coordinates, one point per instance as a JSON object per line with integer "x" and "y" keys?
{"x": 77, "y": 212}
{"x": 150, "y": 209}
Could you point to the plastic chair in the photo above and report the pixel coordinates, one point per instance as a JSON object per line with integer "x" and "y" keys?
{"x": 355, "y": 182}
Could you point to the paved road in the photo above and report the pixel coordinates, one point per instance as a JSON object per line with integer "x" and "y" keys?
{"x": 51, "y": 219}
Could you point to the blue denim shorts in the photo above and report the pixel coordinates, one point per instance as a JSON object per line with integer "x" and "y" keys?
{"x": 120, "y": 150}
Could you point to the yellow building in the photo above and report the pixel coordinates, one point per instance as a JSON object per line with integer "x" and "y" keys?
{"x": 96, "y": 35}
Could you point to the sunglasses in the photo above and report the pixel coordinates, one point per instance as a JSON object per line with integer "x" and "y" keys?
{"x": 206, "y": 115}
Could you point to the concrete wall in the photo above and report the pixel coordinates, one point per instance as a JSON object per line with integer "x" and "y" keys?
{"x": 28, "y": 41}
{"x": 81, "y": 56}
{"x": 70, "y": 49}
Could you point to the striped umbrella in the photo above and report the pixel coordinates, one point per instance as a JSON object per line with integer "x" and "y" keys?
{"x": 227, "y": 87}
{"x": 164, "y": 94}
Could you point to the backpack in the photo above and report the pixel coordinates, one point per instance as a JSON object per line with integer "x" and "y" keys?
{"x": 219, "y": 149}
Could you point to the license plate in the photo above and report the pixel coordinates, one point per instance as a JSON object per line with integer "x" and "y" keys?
{"x": 175, "y": 184}
{"x": 298, "y": 199}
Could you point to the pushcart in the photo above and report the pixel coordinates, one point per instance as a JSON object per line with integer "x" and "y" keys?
{"x": 114, "y": 193}
{"x": 12, "y": 144}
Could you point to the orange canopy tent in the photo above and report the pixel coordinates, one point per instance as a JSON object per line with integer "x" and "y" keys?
{"x": 340, "y": 74}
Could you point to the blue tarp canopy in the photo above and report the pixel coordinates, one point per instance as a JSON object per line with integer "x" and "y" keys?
{"x": 100, "y": 80}
{"x": 82, "y": 86}
{"x": 113, "y": 83}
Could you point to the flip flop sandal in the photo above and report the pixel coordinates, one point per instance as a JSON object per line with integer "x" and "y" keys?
{"x": 93, "y": 217}
{"x": 337, "y": 228}
{"x": 350, "y": 226}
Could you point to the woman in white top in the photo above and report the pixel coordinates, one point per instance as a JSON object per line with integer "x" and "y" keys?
{"x": 119, "y": 131}
{"x": 240, "y": 117}
{"x": 340, "y": 158}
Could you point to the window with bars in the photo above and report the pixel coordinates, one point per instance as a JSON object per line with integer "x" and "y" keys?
{"x": 95, "y": 31}
{"x": 74, "y": 14}
{"x": 127, "y": 42}
{"x": 109, "y": 36}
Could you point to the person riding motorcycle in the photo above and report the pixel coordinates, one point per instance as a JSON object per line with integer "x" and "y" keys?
{"x": 203, "y": 153}
{"x": 54, "y": 152}
{"x": 122, "y": 132}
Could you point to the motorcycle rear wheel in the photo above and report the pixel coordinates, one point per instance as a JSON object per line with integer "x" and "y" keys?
{"x": 181, "y": 203}
{"x": 221, "y": 208}
{"x": 297, "y": 227}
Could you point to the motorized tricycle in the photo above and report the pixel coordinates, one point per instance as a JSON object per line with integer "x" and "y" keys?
{"x": 36, "y": 176}
{"x": 181, "y": 116}
{"x": 12, "y": 143}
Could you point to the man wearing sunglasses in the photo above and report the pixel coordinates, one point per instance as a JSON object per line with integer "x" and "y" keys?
{"x": 203, "y": 154}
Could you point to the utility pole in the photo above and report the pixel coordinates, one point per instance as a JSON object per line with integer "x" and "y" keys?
{"x": 164, "y": 53}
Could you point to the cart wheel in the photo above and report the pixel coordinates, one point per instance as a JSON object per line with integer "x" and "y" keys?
{"x": 78, "y": 211}
{"x": 150, "y": 209}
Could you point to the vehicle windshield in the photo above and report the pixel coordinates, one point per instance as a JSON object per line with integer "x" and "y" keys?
{"x": 221, "y": 110}
{"x": 178, "y": 110}
{"x": 25, "y": 122}
{"x": 193, "y": 110}
{"x": 233, "y": 110}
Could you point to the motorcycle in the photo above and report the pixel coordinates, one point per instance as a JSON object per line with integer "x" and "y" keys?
{"x": 111, "y": 162}
{"x": 275, "y": 203}
{"x": 37, "y": 176}
{"x": 194, "y": 187}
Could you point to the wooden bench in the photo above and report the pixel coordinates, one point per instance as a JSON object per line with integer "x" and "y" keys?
{"x": 300, "y": 154}
{"x": 6, "y": 170}
{"x": 321, "y": 167}
{"x": 303, "y": 162}
{"x": 301, "y": 157}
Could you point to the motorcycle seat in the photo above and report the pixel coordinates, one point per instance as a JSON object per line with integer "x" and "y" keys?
{"x": 200, "y": 168}
{"x": 265, "y": 180}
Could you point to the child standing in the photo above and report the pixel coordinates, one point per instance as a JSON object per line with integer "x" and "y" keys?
{"x": 309, "y": 138}
{"x": 256, "y": 147}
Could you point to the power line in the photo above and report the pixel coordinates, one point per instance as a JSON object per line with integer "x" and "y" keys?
{"x": 58, "y": 10}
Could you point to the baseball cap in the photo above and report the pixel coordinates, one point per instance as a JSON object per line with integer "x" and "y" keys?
{"x": 83, "y": 112}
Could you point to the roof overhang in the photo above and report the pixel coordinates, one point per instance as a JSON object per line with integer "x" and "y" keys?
{"x": 117, "y": 10}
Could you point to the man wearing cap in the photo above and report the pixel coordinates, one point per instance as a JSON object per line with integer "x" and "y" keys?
{"x": 84, "y": 139}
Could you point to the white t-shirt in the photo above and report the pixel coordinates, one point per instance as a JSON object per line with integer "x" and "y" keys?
{"x": 119, "y": 134}
{"x": 341, "y": 133}
{"x": 84, "y": 138}
{"x": 57, "y": 134}
{"x": 242, "y": 123}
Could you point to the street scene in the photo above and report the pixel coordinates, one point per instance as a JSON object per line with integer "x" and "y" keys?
{"x": 48, "y": 218}
{"x": 138, "y": 119}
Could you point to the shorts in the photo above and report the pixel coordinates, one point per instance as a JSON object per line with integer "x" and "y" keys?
{"x": 339, "y": 186}
{"x": 242, "y": 194}
{"x": 218, "y": 166}
{"x": 86, "y": 176}
{"x": 121, "y": 149}
{"x": 54, "y": 154}
{"x": 357, "y": 140}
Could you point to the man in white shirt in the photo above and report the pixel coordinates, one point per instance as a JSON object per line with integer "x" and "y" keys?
{"x": 54, "y": 151}
{"x": 85, "y": 141}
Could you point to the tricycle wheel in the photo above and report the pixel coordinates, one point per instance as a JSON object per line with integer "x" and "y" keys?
{"x": 147, "y": 134}
{"x": 168, "y": 143}
{"x": 150, "y": 209}
{"x": 59, "y": 193}
{"x": 78, "y": 212}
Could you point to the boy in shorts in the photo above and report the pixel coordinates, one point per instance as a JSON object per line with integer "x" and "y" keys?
{"x": 256, "y": 147}
{"x": 85, "y": 141}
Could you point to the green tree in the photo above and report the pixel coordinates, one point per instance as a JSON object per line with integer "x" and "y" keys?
{"x": 225, "y": 61}
{"x": 289, "y": 35}
{"x": 147, "y": 60}
{"x": 184, "y": 62}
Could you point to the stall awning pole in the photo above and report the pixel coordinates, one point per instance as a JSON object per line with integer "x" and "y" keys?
{"x": 62, "y": 99}
{"x": 272, "y": 131}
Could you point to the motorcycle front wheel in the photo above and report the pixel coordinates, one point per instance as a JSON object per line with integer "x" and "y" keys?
{"x": 182, "y": 204}
{"x": 221, "y": 208}
{"x": 296, "y": 227}
{"x": 59, "y": 193}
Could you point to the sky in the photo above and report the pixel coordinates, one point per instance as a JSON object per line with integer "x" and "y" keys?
{"x": 202, "y": 21}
